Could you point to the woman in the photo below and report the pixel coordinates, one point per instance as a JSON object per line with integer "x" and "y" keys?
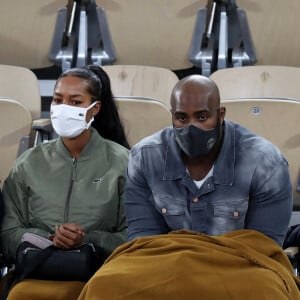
{"x": 70, "y": 190}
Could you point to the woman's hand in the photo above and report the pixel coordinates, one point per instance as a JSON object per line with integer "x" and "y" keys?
{"x": 68, "y": 235}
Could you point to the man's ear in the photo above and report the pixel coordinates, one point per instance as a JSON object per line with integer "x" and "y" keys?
{"x": 222, "y": 113}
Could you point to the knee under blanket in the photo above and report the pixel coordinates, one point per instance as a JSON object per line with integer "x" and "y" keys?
{"x": 243, "y": 264}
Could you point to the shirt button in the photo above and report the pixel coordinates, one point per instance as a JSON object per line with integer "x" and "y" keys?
{"x": 164, "y": 210}
{"x": 195, "y": 200}
{"x": 235, "y": 213}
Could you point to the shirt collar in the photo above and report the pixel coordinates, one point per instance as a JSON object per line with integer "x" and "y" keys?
{"x": 223, "y": 166}
{"x": 174, "y": 166}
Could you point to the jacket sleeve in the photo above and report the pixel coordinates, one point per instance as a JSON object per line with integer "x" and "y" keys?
{"x": 142, "y": 217}
{"x": 109, "y": 241}
{"x": 15, "y": 218}
{"x": 270, "y": 201}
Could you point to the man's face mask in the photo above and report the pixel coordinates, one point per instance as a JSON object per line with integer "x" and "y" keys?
{"x": 194, "y": 141}
{"x": 70, "y": 121}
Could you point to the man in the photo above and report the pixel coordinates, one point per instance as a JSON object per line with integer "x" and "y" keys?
{"x": 206, "y": 174}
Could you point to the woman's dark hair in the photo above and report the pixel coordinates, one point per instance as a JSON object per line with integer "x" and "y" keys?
{"x": 107, "y": 122}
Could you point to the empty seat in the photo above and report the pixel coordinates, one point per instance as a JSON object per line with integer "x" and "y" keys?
{"x": 142, "y": 81}
{"x": 22, "y": 85}
{"x": 142, "y": 117}
{"x": 258, "y": 82}
{"x": 15, "y": 124}
{"x": 278, "y": 121}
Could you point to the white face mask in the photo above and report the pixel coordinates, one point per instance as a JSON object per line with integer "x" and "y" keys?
{"x": 70, "y": 121}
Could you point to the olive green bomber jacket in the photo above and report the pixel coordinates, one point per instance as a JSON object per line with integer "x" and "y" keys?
{"x": 47, "y": 187}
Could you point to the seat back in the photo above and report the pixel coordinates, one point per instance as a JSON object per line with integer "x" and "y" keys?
{"x": 15, "y": 123}
{"x": 22, "y": 85}
{"x": 141, "y": 81}
{"x": 275, "y": 119}
{"x": 258, "y": 82}
{"x": 142, "y": 117}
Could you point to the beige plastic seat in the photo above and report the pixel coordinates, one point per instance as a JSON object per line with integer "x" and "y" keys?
{"x": 142, "y": 117}
{"x": 142, "y": 81}
{"x": 258, "y": 82}
{"x": 22, "y": 85}
{"x": 278, "y": 121}
{"x": 15, "y": 124}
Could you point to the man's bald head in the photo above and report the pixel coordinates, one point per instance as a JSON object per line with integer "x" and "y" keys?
{"x": 194, "y": 87}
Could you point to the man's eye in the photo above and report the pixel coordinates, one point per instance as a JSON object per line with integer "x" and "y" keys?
{"x": 181, "y": 118}
{"x": 202, "y": 117}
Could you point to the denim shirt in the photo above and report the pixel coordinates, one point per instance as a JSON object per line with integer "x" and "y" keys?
{"x": 250, "y": 188}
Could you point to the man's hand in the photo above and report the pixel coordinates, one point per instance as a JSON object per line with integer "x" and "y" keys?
{"x": 68, "y": 235}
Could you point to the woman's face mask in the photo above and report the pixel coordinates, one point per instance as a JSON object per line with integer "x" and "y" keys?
{"x": 70, "y": 121}
{"x": 194, "y": 141}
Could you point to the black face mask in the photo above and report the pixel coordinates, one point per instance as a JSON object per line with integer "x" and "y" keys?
{"x": 194, "y": 141}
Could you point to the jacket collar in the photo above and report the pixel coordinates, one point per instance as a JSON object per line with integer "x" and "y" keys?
{"x": 95, "y": 142}
{"x": 223, "y": 167}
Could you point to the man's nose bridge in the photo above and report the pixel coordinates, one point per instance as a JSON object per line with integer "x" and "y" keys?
{"x": 194, "y": 121}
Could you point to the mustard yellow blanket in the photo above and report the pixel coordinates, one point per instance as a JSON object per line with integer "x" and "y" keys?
{"x": 241, "y": 265}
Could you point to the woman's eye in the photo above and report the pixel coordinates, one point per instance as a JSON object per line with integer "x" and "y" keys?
{"x": 75, "y": 102}
{"x": 56, "y": 101}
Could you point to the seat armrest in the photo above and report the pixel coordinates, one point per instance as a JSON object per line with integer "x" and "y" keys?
{"x": 42, "y": 125}
{"x": 293, "y": 254}
{"x": 43, "y": 129}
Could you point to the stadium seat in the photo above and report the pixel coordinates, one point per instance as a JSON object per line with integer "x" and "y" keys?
{"x": 278, "y": 121}
{"x": 22, "y": 85}
{"x": 141, "y": 81}
{"x": 15, "y": 124}
{"x": 142, "y": 117}
{"x": 258, "y": 82}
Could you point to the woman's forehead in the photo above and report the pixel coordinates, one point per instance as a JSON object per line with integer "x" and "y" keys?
{"x": 71, "y": 84}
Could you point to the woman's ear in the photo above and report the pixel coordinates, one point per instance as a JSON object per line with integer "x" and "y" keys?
{"x": 96, "y": 108}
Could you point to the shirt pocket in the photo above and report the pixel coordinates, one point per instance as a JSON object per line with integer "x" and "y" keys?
{"x": 172, "y": 210}
{"x": 229, "y": 216}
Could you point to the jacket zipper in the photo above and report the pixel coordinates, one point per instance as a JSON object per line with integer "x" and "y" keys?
{"x": 73, "y": 176}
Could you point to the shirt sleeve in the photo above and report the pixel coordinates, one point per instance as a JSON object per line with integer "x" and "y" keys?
{"x": 142, "y": 217}
{"x": 271, "y": 201}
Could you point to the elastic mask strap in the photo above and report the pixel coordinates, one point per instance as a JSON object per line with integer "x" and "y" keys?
{"x": 92, "y": 105}
{"x": 92, "y": 118}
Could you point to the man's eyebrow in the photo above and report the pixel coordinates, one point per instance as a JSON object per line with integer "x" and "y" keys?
{"x": 202, "y": 111}
{"x": 180, "y": 113}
